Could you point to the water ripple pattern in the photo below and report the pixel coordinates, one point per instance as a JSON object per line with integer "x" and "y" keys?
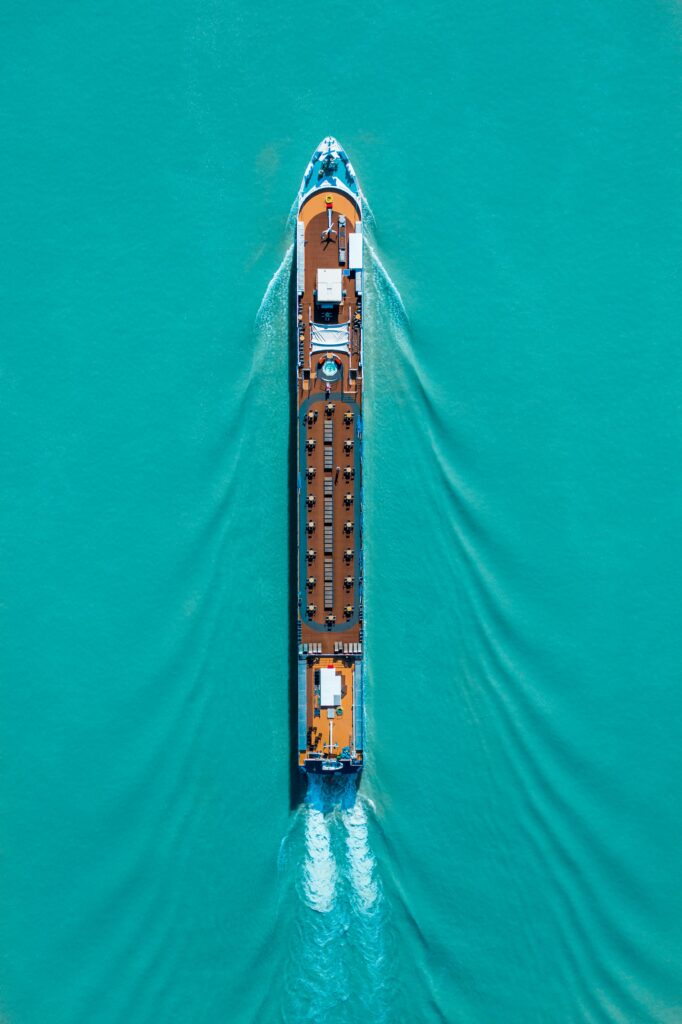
{"x": 338, "y": 962}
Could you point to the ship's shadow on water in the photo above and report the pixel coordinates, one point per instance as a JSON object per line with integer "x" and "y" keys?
{"x": 296, "y": 778}
{"x": 276, "y": 329}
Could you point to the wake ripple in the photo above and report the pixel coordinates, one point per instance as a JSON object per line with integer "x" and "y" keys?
{"x": 272, "y": 312}
{"x": 320, "y": 877}
{"x": 338, "y": 964}
{"x": 361, "y": 861}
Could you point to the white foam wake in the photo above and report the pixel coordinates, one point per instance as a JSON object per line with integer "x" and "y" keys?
{"x": 320, "y": 875}
{"x": 368, "y": 217}
{"x": 274, "y": 304}
{"x": 339, "y": 964}
{"x": 274, "y": 301}
{"x": 362, "y": 867}
{"x": 383, "y": 286}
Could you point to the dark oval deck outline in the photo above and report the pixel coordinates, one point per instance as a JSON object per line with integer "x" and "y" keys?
{"x": 322, "y": 627}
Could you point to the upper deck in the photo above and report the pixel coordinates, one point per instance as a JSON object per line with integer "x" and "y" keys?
{"x": 329, "y": 400}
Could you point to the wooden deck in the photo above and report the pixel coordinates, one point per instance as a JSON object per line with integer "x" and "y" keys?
{"x": 330, "y": 470}
{"x": 319, "y": 733}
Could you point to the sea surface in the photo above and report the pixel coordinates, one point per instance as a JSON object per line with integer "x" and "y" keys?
{"x": 513, "y": 855}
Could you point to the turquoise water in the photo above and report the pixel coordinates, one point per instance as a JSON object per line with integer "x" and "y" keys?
{"x": 514, "y": 856}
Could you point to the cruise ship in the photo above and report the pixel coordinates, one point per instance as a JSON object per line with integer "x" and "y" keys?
{"x": 329, "y": 391}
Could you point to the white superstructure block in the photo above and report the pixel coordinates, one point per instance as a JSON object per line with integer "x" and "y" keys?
{"x": 355, "y": 251}
{"x": 330, "y": 688}
{"x": 329, "y": 287}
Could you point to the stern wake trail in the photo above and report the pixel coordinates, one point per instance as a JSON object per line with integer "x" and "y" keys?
{"x": 369, "y": 910}
{"x": 320, "y": 876}
{"x": 338, "y": 963}
{"x": 272, "y": 318}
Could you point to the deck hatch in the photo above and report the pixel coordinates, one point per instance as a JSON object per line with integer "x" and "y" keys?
{"x": 328, "y": 540}
{"x": 328, "y": 511}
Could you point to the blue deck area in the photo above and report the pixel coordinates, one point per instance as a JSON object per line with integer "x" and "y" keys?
{"x": 329, "y": 167}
